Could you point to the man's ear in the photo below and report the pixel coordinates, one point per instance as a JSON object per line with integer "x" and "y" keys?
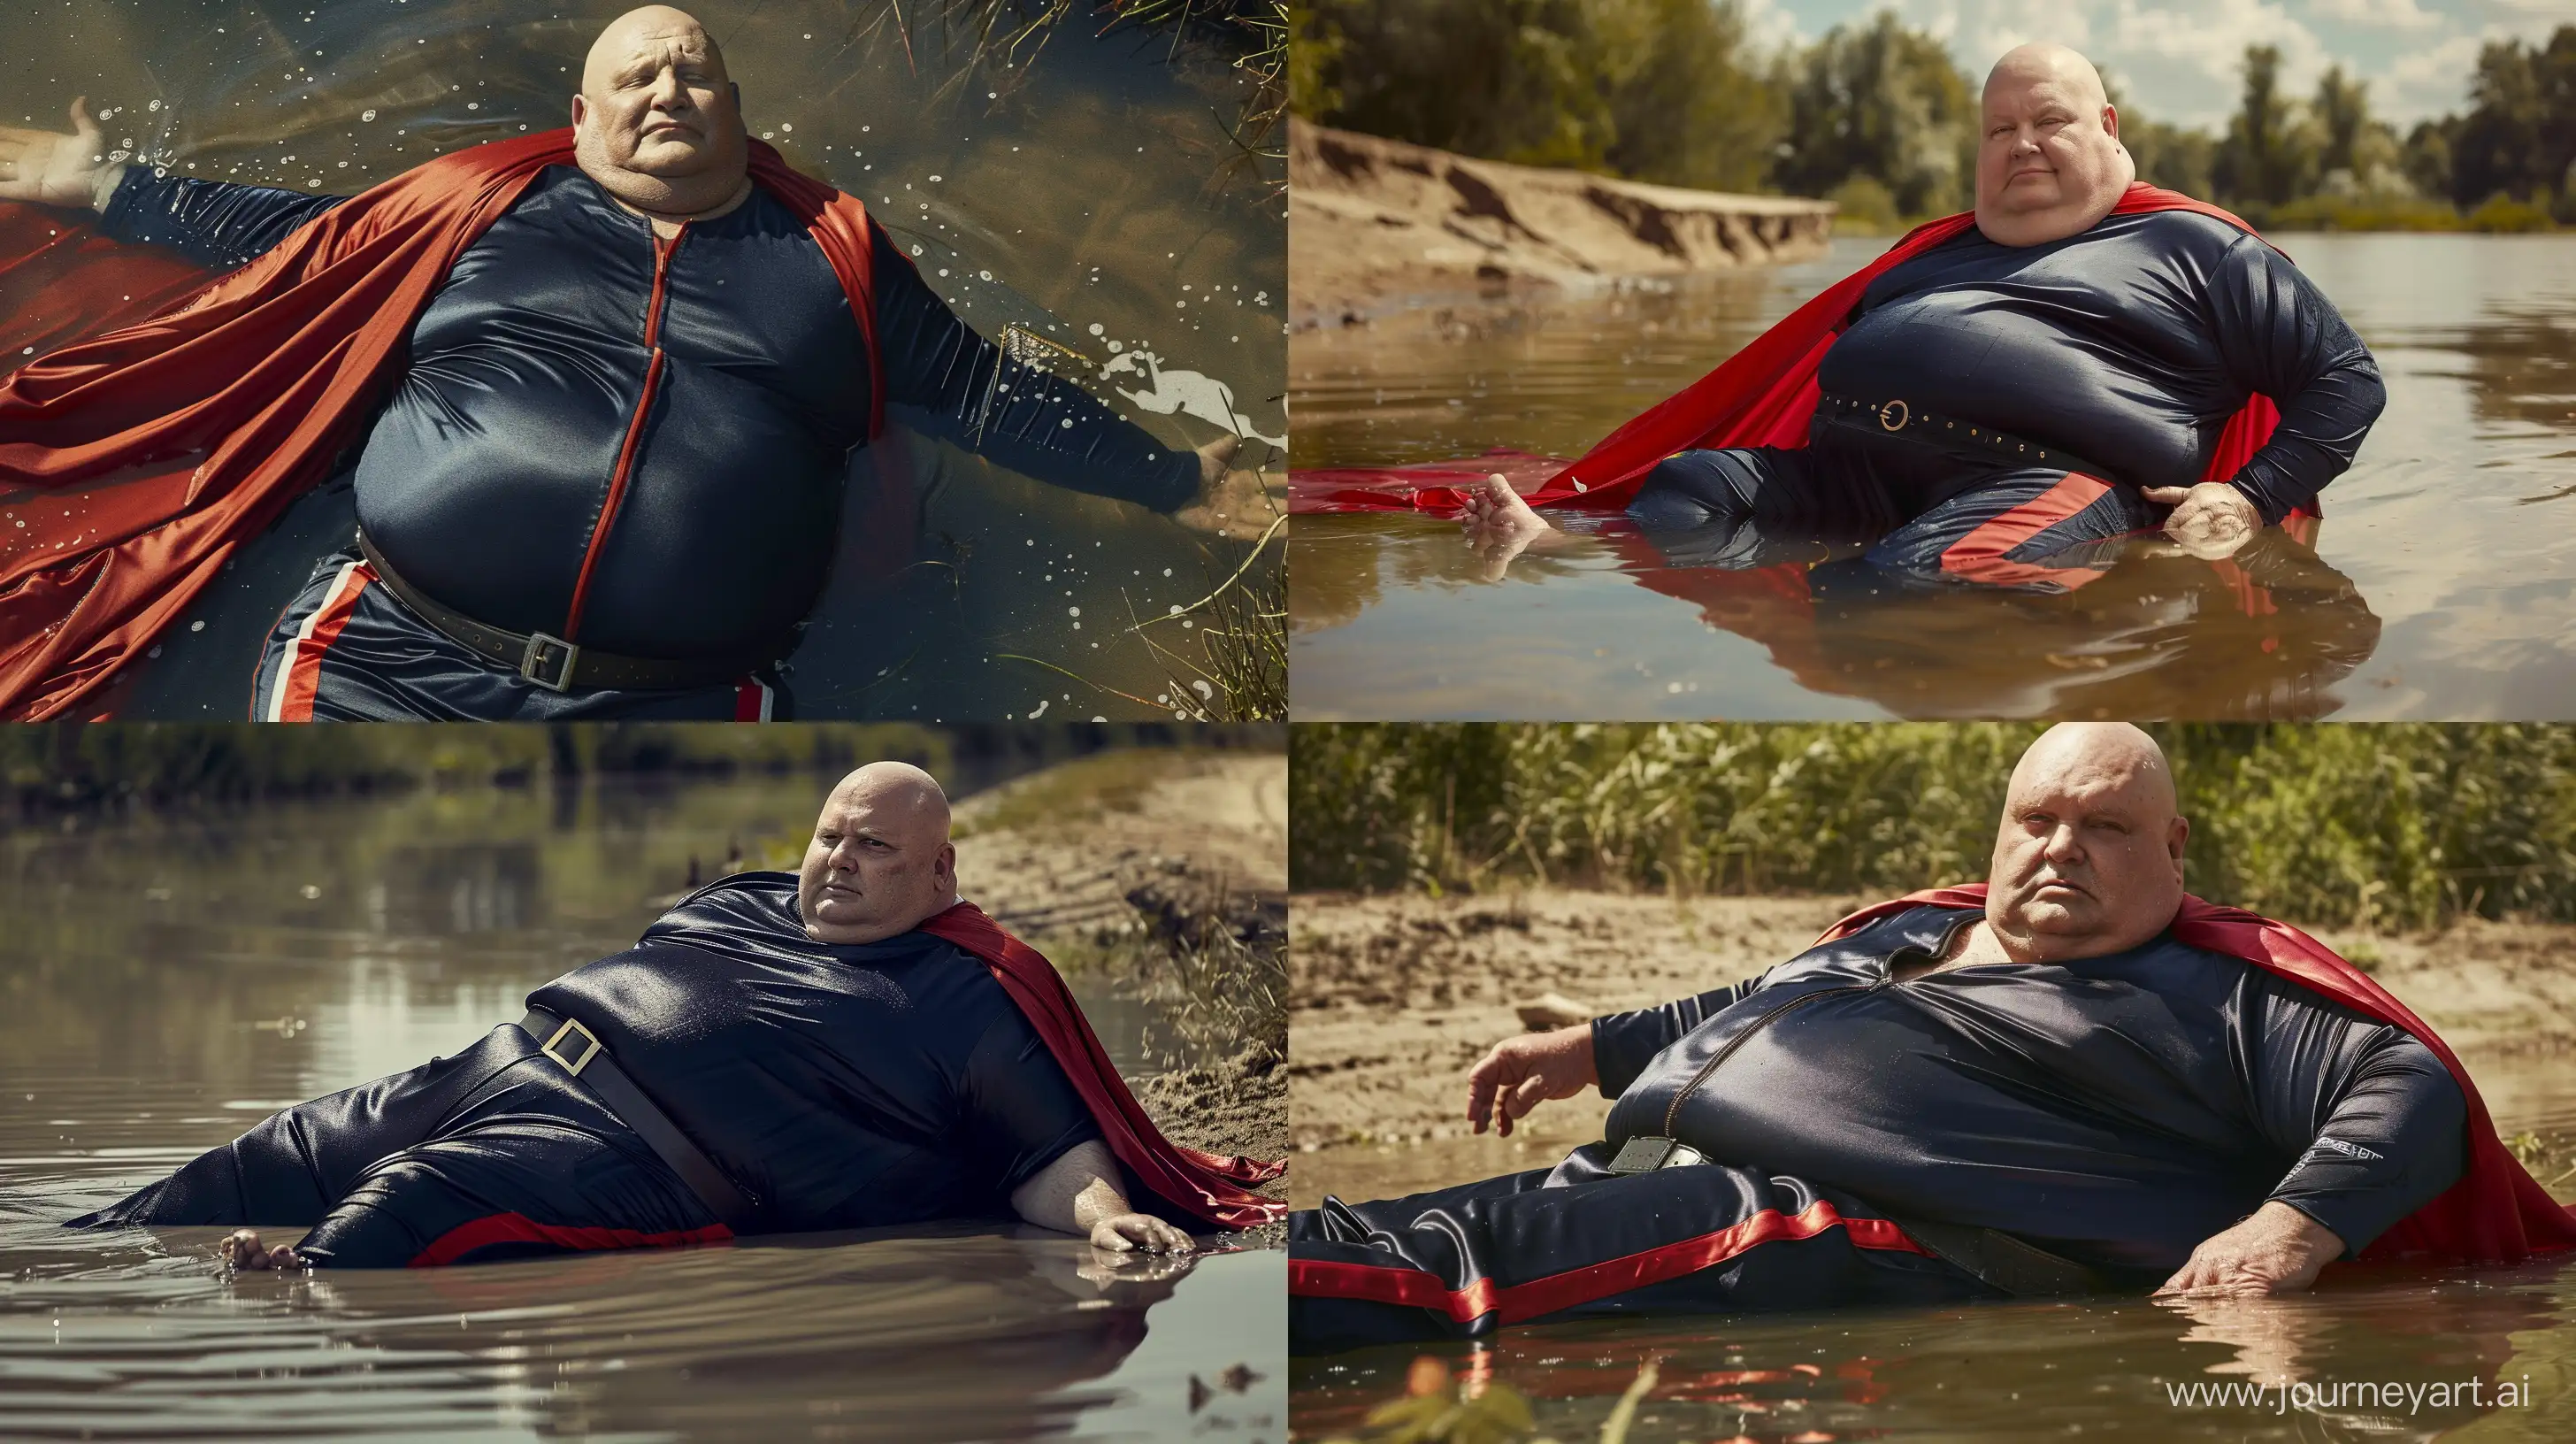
{"x": 736, "y": 87}
{"x": 2175, "y": 838}
{"x": 945, "y": 870}
{"x": 2111, "y": 119}
{"x": 580, "y": 108}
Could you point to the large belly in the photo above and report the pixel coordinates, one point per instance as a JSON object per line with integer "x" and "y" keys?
{"x": 487, "y": 475}
{"x": 2059, "y": 380}
{"x": 1870, "y": 1093}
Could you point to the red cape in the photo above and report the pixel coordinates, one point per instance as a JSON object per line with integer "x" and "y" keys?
{"x": 155, "y": 449}
{"x": 1207, "y": 1186}
{"x": 1763, "y": 395}
{"x": 2496, "y": 1213}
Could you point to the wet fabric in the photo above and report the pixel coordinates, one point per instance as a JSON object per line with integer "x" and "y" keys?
{"x": 1577, "y": 1242}
{"x": 148, "y": 454}
{"x": 2114, "y": 1110}
{"x": 494, "y": 1153}
{"x": 1764, "y": 395}
{"x": 637, "y": 444}
{"x": 755, "y": 915}
{"x": 2496, "y": 1213}
{"x": 2131, "y": 343}
{"x": 838, "y": 1087}
{"x": 346, "y": 649}
{"x": 1928, "y": 513}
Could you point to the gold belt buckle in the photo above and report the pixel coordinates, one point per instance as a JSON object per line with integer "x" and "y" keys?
{"x": 572, "y": 1025}
{"x": 1903, "y": 415}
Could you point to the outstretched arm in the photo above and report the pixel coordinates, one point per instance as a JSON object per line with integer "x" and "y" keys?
{"x": 1040, "y": 425}
{"x": 214, "y": 223}
{"x": 58, "y": 168}
{"x": 1079, "y": 1193}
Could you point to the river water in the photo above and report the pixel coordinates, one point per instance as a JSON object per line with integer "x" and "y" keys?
{"x": 2032, "y": 1370}
{"x": 2442, "y": 582}
{"x": 1083, "y": 186}
{"x": 171, "y": 980}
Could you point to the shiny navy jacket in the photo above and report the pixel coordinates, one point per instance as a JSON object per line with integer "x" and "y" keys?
{"x": 713, "y": 384}
{"x": 2117, "y": 1109}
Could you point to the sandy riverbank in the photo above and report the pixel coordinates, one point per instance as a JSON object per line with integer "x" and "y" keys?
{"x": 1170, "y": 869}
{"x": 1392, "y": 999}
{"x": 1378, "y": 226}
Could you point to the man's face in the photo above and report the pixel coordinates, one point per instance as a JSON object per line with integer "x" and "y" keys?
{"x": 878, "y": 864}
{"x": 655, "y": 99}
{"x": 2050, "y": 153}
{"x": 2088, "y": 859}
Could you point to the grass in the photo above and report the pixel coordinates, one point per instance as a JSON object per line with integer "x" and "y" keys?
{"x": 2406, "y": 825}
{"x": 1072, "y": 792}
{"x": 1236, "y": 669}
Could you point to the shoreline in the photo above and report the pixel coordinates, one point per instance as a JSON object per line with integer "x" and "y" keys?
{"x": 1381, "y": 226}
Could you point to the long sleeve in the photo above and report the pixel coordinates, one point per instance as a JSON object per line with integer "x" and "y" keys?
{"x": 2278, "y": 335}
{"x": 214, "y": 223}
{"x": 1013, "y": 414}
{"x": 2376, "y": 1120}
{"x": 1623, "y": 1043}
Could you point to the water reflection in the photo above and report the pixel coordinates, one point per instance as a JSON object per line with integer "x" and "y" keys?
{"x": 1083, "y": 188}
{"x": 2124, "y": 1368}
{"x": 2435, "y": 588}
{"x": 172, "y": 979}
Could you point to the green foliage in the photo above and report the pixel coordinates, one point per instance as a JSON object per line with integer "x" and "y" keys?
{"x": 1659, "y": 90}
{"x": 1881, "y": 101}
{"x": 2402, "y": 825}
{"x": 1865, "y": 207}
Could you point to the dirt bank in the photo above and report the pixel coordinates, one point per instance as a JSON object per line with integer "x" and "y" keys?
{"x": 1379, "y": 225}
{"x": 1392, "y": 999}
{"x": 1170, "y": 871}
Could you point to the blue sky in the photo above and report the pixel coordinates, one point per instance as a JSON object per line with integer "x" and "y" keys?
{"x": 2177, "y": 59}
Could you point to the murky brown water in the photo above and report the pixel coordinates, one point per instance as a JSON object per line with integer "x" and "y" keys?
{"x": 2442, "y": 582}
{"x": 2013, "y": 1371}
{"x": 168, "y": 982}
{"x": 1078, "y": 192}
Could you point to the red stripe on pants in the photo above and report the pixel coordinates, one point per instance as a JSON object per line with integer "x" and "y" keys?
{"x": 465, "y": 1238}
{"x": 1320, "y": 1279}
{"x": 300, "y": 674}
{"x": 1979, "y": 556}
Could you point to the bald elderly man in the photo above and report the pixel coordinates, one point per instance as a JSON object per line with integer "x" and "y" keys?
{"x": 779, "y": 1054}
{"x": 2050, "y": 1094}
{"x": 2117, "y": 346}
{"x": 606, "y": 479}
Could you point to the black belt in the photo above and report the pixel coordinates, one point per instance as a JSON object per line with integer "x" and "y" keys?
{"x": 590, "y": 1063}
{"x": 2022, "y": 1270}
{"x": 550, "y": 661}
{"x": 1899, "y": 418}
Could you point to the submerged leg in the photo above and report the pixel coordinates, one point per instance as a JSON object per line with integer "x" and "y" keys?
{"x": 2016, "y": 529}
{"x": 1462, "y": 1262}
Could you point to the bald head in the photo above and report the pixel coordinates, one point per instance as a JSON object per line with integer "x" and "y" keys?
{"x": 2049, "y": 159}
{"x": 658, "y": 121}
{"x": 880, "y": 862}
{"x": 2088, "y": 858}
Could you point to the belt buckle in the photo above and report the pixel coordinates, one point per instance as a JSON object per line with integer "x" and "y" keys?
{"x": 1904, "y": 415}
{"x": 572, "y": 1025}
{"x": 532, "y": 662}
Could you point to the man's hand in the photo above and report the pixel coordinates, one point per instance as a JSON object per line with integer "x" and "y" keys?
{"x": 1522, "y": 1071}
{"x": 2210, "y": 520}
{"x": 2277, "y": 1250}
{"x": 241, "y": 1249}
{"x": 1128, "y": 1232}
{"x": 1231, "y": 503}
{"x": 54, "y": 169}
{"x": 1079, "y": 1194}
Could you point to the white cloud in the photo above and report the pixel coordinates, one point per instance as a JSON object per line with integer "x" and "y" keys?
{"x": 2378, "y": 14}
{"x": 2430, "y": 81}
{"x": 2178, "y": 61}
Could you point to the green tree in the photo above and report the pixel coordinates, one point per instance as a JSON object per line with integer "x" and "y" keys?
{"x": 2342, "y": 110}
{"x": 1884, "y": 102}
{"x": 1698, "y": 109}
{"x": 2269, "y": 155}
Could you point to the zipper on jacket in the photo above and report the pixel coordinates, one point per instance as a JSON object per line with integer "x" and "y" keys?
{"x": 1673, "y": 1114}
{"x": 624, "y": 471}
